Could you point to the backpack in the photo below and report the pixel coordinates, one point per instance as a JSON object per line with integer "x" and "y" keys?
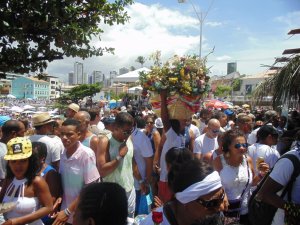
{"x": 261, "y": 213}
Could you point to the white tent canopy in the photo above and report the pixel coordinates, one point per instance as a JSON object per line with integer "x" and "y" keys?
{"x": 26, "y": 107}
{"x": 135, "y": 90}
{"x": 10, "y": 96}
{"x": 131, "y": 76}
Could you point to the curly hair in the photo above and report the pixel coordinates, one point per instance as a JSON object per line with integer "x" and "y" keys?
{"x": 229, "y": 137}
{"x": 31, "y": 172}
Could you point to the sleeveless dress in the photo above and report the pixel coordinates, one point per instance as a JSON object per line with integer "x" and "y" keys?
{"x": 25, "y": 205}
{"x": 237, "y": 181}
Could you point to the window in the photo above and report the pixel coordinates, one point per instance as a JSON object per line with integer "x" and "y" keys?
{"x": 52, "y": 82}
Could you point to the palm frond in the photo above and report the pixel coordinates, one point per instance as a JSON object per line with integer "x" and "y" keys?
{"x": 284, "y": 86}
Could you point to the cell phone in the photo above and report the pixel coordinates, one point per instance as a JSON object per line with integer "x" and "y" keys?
{"x": 259, "y": 160}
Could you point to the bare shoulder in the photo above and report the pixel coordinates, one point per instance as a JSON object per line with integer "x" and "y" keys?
{"x": 217, "y": 163}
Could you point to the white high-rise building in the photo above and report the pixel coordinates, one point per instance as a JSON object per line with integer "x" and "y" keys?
{"x": 78, "y": 73}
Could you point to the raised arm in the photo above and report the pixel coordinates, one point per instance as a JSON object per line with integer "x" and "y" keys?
{"x": 164, "y": 110}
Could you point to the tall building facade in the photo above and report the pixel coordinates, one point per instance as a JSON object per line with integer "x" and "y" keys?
{"x": 97, "y": 77}
{"x": 78, "y": 73}
{"x": 71, "y": 79}
{"x": 231, "y": 67}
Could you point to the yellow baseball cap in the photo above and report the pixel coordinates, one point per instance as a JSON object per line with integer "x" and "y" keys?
{"x": 18, "y": 148}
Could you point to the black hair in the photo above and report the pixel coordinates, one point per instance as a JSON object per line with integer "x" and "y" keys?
{"x": 25, "y": 122}
{"x": 188, "y": 173}
{"x": 264, "y": 131}
{"x": 218, "y": 115}
{"x": 40, "y": 149}
{"x": 93, "y": 113}
{"x": 178, "y": 155}
{"x": 140, "y": 122}
{"x": 175, "y": 124}
{"x": 102, "y": 202}
{"x": 203, "y": 112}
{"x": 31, "y": 172}
{"x": 10, "y": 126}
{"x": 229, "y": 137}
{"x": 123, "y": 118}
{"x": 72, "y": 122}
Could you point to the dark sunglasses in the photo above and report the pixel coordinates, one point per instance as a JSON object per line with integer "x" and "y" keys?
{"x": 211, "y": 203}
{"x": 238, "y": 146}
{"x": 149, "y": 122}
{"x": 215, "y": 131}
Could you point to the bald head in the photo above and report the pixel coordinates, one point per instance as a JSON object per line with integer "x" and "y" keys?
{"x": 82, "y": 115}
{"x": 213, "y": 122}
{"x": 84, "y": 118}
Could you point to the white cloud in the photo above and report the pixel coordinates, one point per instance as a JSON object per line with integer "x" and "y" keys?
{"x": 223, "y": 58}
{"x": 154, "y": 28}
{"x": 214, "y": 24}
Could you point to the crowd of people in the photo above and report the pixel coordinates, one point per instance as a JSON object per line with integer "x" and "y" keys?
{"x": 128, "y": 165}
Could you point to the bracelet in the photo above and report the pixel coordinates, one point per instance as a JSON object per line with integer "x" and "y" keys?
{"x": 67, "y": 212}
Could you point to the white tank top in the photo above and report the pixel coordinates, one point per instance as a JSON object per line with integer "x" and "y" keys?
{"x": 234, "y": 180}
{"x": 25, "y": 205}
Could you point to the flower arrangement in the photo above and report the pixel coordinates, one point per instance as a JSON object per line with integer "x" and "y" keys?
{"x": 179, "y": 75}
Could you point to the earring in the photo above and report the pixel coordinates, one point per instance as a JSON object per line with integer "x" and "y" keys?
{"x": 227, "y": 154}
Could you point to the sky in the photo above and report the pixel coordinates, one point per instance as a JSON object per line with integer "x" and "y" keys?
{"x": 250, "y": 33}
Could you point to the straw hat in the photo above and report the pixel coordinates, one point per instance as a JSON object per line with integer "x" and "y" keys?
{"x": 18, "y": 148}
{"x": 74, "y": 107}
{"x": 41, "y": 119}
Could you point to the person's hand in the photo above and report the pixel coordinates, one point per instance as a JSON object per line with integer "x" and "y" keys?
{"x": 157, "y": 202}
{"x": 144, "y": 188}
{"x": 56, "y": 206}
{"x": 156, "y": 168}
{"x": 123, "y": 150}
{"x": 8, "y": 222}
{"x": 60, "y": 218}
{"x": 263, "y": 168}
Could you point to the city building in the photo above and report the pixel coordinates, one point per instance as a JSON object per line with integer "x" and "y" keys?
{"x": 30, "y": 87}
{"x": 231, "y": 67}
{"x": 71, "y": 79}
{"x": 54, "y": 87}
{"x": 97, "y": 77}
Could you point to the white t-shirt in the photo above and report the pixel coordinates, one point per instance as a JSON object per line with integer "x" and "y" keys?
{"x": 54, "y": 146}
{"x": 148, "y": 220}
{"x": 252, "y": 137}
{"x": 282, "y": 173}
{"x": 202, "y": 125}
{"x": 141, "y": 149}
{"x": 172, "y": 140}
{"x": 195, "y": 130}
{"x": 100, "y": 125}
{"x": 269, "y": 154}
{"x": 204, "y": 144}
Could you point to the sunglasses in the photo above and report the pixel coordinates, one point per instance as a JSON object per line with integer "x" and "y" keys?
{"x": 238, "y": 146}
{"x": 215, "y": 131}
{"x": 149, "y": 122}
{"x": 211, "y": 203}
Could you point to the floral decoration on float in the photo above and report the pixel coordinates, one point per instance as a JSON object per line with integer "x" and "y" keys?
{"x": 185, "y": 79}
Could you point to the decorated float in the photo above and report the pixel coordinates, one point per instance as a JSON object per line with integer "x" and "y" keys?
{"x": 186, "y": 80}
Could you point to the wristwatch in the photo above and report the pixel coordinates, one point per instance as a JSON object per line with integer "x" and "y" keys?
{"x": 118, "y": 158}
